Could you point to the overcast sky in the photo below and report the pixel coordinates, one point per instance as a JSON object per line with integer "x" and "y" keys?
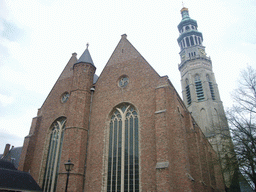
{"x": 38, "y": 37}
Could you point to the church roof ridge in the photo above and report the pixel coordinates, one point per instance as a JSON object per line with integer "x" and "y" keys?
{"x": 86, "y": 57}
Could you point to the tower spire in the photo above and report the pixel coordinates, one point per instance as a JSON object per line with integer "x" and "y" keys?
{"x": 86, "y": 56}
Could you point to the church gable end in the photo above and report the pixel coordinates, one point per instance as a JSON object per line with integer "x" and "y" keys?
{"x": 127, "y": 78}
{"x": 129, "y": 131}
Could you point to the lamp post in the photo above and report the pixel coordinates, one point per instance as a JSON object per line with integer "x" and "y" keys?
{"x": 68, "y": 167}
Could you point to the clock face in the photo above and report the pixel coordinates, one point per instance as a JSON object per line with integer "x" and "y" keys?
{"x": 202, "y": 51}
{"x": 183, "y": 56}
{"x": 123, "y": 81}
{"x": 64, "y": 97}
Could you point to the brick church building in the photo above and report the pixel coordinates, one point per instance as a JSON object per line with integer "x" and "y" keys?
{"x": 126, "y": 130}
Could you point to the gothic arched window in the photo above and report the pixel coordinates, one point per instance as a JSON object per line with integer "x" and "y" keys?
{"x": 199, "y": 88}
{"x": 123, "y": 152}
{"x": 53, "y": 157}
{"x": 188, "y": 92}
{"x": 210, "y": 87}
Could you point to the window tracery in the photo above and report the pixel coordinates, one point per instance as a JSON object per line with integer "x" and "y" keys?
{"x": 54, "y": 153}
{"x": 123, "y": 153}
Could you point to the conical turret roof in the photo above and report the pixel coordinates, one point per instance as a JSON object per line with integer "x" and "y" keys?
{"x": 85, "y": 57}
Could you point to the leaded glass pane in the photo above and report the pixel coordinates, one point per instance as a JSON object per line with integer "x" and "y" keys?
{"x": 123, "y": 108}
{"x": 114, "y": 156}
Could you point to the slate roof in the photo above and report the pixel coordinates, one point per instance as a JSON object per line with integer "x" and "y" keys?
{"x": 95, "y": 78}
{"x": 85, "y": 57}
{"x": 12, "y": 179}
{"x": 13, "y": 156}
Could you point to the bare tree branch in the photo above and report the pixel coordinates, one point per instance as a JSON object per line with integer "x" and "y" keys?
{"x": 242, "y": 121}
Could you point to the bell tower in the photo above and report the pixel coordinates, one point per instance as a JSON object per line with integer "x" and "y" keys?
{"x": 200, "y": 90}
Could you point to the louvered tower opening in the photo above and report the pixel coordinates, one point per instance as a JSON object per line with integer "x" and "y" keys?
{"x": 188, "y": 92}
{"x": 199, "y": 88}
{"x": 210, "y": 87}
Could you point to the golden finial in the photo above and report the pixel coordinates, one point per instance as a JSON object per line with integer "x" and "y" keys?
{"x": 183, "y": 7}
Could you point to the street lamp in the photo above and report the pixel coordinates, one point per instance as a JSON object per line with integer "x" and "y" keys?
{"x": 68, "y": 167}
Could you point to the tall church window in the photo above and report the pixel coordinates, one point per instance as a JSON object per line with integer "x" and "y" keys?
{"x": 123, "y": 154}
{"x": 199, "y": 88}
{"x": 210, "y": 87}
{"x": 188, "y": 92}
{"x": 54, "y": 153}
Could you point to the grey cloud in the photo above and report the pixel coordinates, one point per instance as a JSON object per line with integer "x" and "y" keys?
{"x": 11, "y": 31}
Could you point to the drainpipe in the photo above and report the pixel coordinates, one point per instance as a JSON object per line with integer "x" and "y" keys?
{"x": 92, "y": 91}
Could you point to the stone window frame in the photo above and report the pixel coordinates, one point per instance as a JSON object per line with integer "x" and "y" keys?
{"x": 58, "y": 127}
{"x": 126, "y": 81}
{"x": 106, "y": 145}
{"x": 64, "y": 97}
